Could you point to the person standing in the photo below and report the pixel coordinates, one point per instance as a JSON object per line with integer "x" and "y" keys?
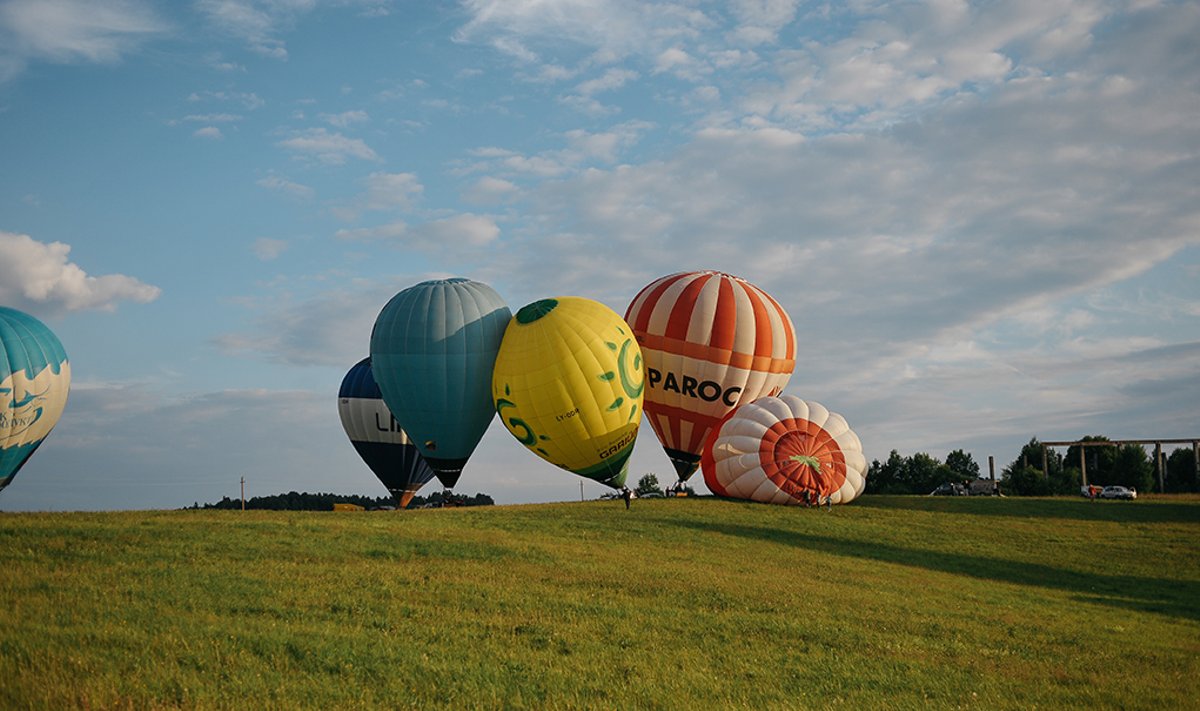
{"x": 627, "y": 495}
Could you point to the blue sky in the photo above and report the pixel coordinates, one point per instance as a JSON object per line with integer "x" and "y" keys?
{"x": 984, "y": 219}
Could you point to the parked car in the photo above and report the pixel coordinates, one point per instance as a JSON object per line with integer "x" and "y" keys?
{"x": 950, "y": 489}
{"x": 1118, "y": 492}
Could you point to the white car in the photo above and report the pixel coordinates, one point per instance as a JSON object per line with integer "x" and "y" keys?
{"x": 1118, "y": 492}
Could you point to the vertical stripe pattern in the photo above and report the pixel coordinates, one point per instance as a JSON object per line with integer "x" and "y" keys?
{"x": 711, "y": 341}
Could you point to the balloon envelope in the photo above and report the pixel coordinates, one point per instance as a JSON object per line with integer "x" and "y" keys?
{"x": 432, "y": 352}
{"x": 34, "y": 379}
{"x": 377, "y": 437}
{"x": 568, "y": 385}
{"x": 781, "y": 450}
{"x": 711, "y": 341}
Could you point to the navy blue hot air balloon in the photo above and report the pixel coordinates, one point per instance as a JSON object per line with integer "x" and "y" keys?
{"x": 432, "y": 351}
{"x": 34, "y": 379}
{"x": 377, "y": 437}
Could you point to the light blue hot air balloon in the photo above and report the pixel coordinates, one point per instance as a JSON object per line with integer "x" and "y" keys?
{"x": 34, "y": 379}
{"x": 432, "y": 352}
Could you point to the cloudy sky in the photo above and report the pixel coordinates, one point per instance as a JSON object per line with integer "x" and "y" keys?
{"x": 983, "y": 218}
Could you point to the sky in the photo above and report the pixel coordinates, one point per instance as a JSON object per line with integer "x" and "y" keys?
{"x": 983, "y": 218}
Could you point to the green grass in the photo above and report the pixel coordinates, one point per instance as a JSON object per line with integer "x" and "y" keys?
{"x": 891, "y": 602}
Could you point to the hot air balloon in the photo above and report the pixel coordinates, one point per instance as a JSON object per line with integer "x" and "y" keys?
{"x": 711, "y": 341}
{"x": 784, "y": 450}
{"x": 432, "y": 352}
{"x": 568, "y": 385}
{"x": 34, "y": 379}
{"x": 377, "y": 437}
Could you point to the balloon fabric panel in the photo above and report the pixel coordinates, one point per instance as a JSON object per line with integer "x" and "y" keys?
{"x": 35, "y": 378}
{"x": 564, "y": 386}
{"x": 433, "y": 349}
{"x": 711, "y": 341}
{"x": 784, "y": 450}
{"x": 376, "y": 436}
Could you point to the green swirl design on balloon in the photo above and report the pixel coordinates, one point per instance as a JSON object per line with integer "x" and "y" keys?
{"x": 633, "y": 390}
{"x": 529, "y": 438}
{"x": 627, "y": 383}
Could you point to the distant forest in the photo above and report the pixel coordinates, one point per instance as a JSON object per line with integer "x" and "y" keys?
{"x": 304, "y": 501}
{"x": 1127, "y": 465}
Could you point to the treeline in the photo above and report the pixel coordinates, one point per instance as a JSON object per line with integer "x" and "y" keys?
{"x": 304, "y": 501}
{"x": 1126, "y": 465}
{"x": 920, "y": 473}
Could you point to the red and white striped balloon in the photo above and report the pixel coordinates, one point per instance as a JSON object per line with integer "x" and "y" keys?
{"x": 710, "y": 341}
{"x": 784, "y": 450}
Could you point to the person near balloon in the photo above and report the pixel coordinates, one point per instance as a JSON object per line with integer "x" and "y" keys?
{"x": 626, "y": 494}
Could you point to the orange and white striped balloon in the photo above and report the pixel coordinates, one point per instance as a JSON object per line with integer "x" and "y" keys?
{"x": 784, "y": 450}
{"x": 710, "y": 341}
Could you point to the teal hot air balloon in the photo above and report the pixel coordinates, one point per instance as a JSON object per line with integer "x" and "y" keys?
{"x": 34, "y": 379}
{"x": 432, "y": 352}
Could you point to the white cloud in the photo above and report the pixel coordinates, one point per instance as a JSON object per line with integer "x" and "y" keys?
{"x": 466, "y": 230}
{"x": 328, "y": 147}
{"x": 212, "y": 118}
{"x": 249, "y": 100}
{"x": 759, "y": 21}
{"x": 615, "y": 28}
{"x": 66, "y": 31}
{"x": 209, "y": 132}
{"x": 392, "y": 230}
{"x": 261, "y": 23}
{"x": 389, "y": 191}
{"x": 267, "y": 248}
{"x": 490, "y": 191}
{"x": 257, "y": 24}
{"x": 610, "y": 80}
{"x": 37, "y": 273}
{"x": 331, "y": 327}
{"x": 459, "y": 231}
{"x": 283, "y": 185}
{"x": 345, "y": 119}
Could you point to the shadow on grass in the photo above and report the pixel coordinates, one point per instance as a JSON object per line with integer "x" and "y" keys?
{"x": 1065, "y": 508}
{"x": 1175, "y": 598}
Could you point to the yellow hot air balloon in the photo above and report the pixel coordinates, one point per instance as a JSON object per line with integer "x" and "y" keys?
{"x": 568, "y": 385}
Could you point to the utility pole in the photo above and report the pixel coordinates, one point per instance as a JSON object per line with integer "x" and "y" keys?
{"x": 243, "y": 493}
{"x": 581, "y": 490}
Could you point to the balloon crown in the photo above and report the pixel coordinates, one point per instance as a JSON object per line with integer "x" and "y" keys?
{"x": 532, "y": 312}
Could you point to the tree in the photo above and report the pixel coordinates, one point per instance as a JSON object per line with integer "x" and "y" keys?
{"x": 924, "y": 473}
{"x": 962, "y": 464}
{"x": 1099, "y": 460}
{"x": 1031, "y": 456}
{"x": 1025, "y": 481}
{"x": 1131, "y": 467}
{"x": 1181, "y": 470}
{"x": 885, "y": 478}
{"x": 648, "y": 485}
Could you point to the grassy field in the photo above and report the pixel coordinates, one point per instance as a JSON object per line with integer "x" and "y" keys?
{"x": 891, "y": 602}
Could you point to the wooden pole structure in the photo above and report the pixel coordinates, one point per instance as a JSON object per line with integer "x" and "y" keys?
{"x": 1158, "y": 466}
{"x": 243, "y": 493}
{"x": 1083, "y": 465}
